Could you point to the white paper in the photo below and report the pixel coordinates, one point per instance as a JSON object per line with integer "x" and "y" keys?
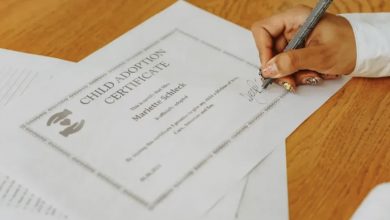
{"x": 265, "y": 196}
{"x": 14, "y": 214}
{"x": 228, "y": 207}
{"x": 16, "y": 198}
{"x": 73, "y": 171}
{"x": 262, "y": 194}
{"x": 376, "y": 206}
{"x": 19, "y": 72}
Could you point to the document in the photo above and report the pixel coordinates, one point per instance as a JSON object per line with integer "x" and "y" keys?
{"x": 171, "y": 117}
{"x": 265, "y": 195}
{"x": 17, "y": 198}
{"x": 262, "y": 194}
{"x": 11, "y": 214}
{"x": 19, "y": 72}
{"x": 228, "y": 207}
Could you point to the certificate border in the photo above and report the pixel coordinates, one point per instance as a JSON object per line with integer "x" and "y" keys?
{"x": 150, "y": 205}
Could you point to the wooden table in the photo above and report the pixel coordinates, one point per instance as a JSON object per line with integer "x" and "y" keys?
{"x": 334, "y": 158}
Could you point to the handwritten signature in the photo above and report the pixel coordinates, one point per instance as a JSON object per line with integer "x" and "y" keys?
{"x": 254, "y": 91}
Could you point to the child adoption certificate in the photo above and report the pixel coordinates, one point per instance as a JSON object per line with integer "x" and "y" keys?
{"x": 171, "y": 116}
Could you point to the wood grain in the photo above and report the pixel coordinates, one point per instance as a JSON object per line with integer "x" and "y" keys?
{"x": 340, "y": 152}
{"x": 70, "y": 29}
{"x": 334, "y": 158}
{"x": 245, "y": 12}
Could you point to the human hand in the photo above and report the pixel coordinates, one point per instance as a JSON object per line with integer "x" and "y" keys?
{"x": 329, "y": 51}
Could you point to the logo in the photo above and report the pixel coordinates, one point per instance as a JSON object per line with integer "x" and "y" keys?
{"x": 63, "y": 120}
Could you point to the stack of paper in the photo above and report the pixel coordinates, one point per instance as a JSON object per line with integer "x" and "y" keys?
{"x": 169, "y": 121}
{"x": 20, "y": 73}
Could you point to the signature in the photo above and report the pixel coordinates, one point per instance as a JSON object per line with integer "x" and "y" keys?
{"x": 254, "y": 91}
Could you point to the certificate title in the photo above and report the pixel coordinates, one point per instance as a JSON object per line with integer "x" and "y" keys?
{"x": 129, "y": 80}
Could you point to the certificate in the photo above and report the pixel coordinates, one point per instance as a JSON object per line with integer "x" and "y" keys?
{"x": 171, "y": 116}
{"x": 158, "y": 117}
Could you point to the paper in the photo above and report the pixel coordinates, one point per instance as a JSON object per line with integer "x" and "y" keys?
{"x": 376, "y": 206}
{"x": 170, "y": 119}
{"x": 265, "y": 196}
{"x": 18, "y": 73}
{"x": 17, "y": 197}
{"x": 12, "y": 214}
{"x": 260, "y": 195}
{"x": 228, "y": 207}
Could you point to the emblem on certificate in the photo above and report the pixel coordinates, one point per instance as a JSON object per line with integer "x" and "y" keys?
{"x": 63, "y": 120}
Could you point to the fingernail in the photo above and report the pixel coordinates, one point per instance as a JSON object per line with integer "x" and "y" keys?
{"x": 270, "y": 70}
{"x": 313, "y": 81}
{"x": 288, "y": 87}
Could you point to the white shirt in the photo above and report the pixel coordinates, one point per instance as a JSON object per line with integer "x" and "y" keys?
{"x": 372, "y": 37}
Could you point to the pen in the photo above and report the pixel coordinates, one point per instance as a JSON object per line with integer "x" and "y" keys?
{"x": 299, "y": 39}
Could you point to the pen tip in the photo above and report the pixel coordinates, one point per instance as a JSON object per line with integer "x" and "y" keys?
{"x": 266, "y": 83}
{"x": 261, "y": 75}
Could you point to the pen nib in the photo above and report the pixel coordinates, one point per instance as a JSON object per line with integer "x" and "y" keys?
{"x": 266, "y": 81}
{"x": 261, "y": 75}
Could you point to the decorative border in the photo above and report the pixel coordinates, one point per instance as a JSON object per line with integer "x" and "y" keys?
{"x": 27, "y": 125}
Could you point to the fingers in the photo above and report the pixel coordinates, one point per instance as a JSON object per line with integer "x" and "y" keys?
{"x": 329, "y": 76}
{"x": 307, "y": 77}
{"x": 287, "y": 82}
{"x": 266, "y": 31}
{"x": 287, "y": 63}
{"x": 264, "y": 43}
{"x": 271, "y": 37}
{"x": 280, "y": 43}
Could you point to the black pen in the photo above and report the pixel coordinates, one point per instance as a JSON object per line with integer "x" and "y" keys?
{"x": 299, "y": 39}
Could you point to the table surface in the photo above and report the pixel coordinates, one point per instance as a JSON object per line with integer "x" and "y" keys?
{"x": 333, "y": 159}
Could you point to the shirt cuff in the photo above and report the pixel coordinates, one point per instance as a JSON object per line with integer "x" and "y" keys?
{"x": 372, "y": 37}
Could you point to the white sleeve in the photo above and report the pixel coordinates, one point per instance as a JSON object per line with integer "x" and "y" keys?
{"x": 372, "y": 36}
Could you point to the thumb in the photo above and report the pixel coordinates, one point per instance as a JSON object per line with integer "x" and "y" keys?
{"x": 286, "y": 63}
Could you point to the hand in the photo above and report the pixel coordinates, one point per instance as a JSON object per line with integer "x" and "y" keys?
{"x": 329, "y": 51}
